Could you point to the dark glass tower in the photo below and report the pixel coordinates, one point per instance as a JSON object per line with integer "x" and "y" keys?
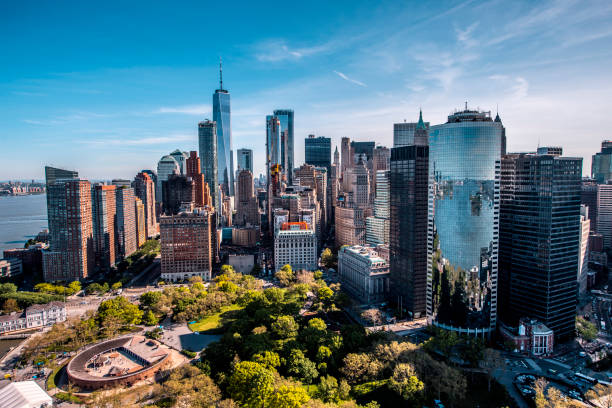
{"x": 539, "y": 240}
{"x": 222, "y": 117}
{"x": 464, "y": 171}
{"x": 601, "y": 166}
{"x": 207, "y": 140}
{"x": 317, "y": 151}
{"x": 408, "y": 228}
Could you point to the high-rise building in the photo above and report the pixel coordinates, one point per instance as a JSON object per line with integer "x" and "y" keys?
{"x": 295, "y": 244}
{"x": 177, "y": 191}
{"x": 377, "y": 226}
{"x": 187, "y": 244}
{"x": 316, "y": 179}
{"x": 71, "y": 254}
{"x": 245, "y": 160}
{"x": 127, "y": 240}
{"x": 141, "y": 222}
{"x": 347, "y": 156}
{"x": 403, "y": 133}
{"x": 356, "y": 182}
{"x": 104, "y": 211}
{"x": 273, "y": 144}
{"x": 318, "y": 151}
{"x": 380, "y": 161}
{"x": 601, "y": 166}
{"x": 604, "y": 213}
{"x": 181, "y": 160}
{"x": 247, "y": 208}
{"x": 144, "y": 188}
{"x": 285, "y": 116}
{"x": 539, "y": 240}
{"x": 350, "y": 222}
{"x": 588, "y": 197}
{"x": 583, "y": 254}
{"x": 363, "y": 151}
{"x": 225, "y": 153}
{"x": 408, "y": 180}
{"x": 165, "y": 167}
{"x": 464, "y": 162}
{"x": 201, "y": 191}
{"x": 207, "y": 139}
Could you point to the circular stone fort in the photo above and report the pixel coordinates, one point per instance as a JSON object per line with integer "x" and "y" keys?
{"x": 118, "y": 362}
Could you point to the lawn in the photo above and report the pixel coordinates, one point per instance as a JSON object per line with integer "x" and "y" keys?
{"x": 217, "y": 320}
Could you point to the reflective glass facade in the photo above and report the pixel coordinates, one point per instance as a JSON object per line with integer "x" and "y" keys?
{"x": 285, "y": 116}
{"x": 225, "y": 162}
{"x": 317, "y": 151}
{"x": 464, "y": 174}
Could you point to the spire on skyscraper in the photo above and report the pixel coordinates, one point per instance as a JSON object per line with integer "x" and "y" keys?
{"x": 220, "y": 73}
{"x": 420, "y": 124}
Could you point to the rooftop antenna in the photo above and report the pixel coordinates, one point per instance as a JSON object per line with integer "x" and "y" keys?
{"x": 221, "y": 73}
{"x": 466, "y": 105}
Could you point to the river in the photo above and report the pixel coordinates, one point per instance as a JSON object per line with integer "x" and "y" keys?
{"x": 21, "y": 218}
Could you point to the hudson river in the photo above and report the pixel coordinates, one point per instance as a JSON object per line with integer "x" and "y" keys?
{"x": 21, "y": 218}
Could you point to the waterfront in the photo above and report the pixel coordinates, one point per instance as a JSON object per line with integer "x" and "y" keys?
{"x": 21, "y": 218}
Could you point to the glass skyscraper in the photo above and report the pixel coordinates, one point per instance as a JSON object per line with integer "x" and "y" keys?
{"x": 601, "y": 166}
{"x": 464, "y": 176}
{"x": 317, "y": 151}
{"x": 207, "y": 140}
{"x": 225, "y": 159}
{"x": 245, "y": 160}
{"x": 539, "y": 240}
{"x": 285, "y": 116}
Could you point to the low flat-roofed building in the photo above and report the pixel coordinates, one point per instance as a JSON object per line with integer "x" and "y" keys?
{"x": 33, "y": 317}
{"x": 24, "y": 394}
{"x": 364, "y": 273}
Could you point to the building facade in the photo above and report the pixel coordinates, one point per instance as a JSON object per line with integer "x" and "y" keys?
{"x": 176, "y": 191}
{"x": 285, "y": 117}
{"x": 225, "y": 154}
{"x": 165, "y": 167}
{"x": 364, "y": 273}
{"x": 126, "y": 232}
{"x": 403, "y": 133}
{"x": 144, "y": 189}
{"x": 601, "y": 165}
{"x": 317, "y": 151}
{"x": 295, "y": 244}
{"x": 245, "y": 160}
{"x": 464, "y": 162}
{"x": 104, "y": 211}
{"x": 207, "y": 139}
{"x": 540, "y": 240}
{"x": 377, "y": 226}
{"x": 247, "y": 208}
{"x": 408, "y": 178}
{"x": 33, "y": 317}
{"x": 187, "y": 244}
{"x": 10, "y": 267}
{"x": 604, "y": 213}
{"x": 141, "y": 222}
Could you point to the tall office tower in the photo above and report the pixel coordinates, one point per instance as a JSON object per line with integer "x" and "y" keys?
{"x": 201, "y": 191}
{"x": 245, "y": 160}
{"x": 187, "y": 244}
{"x": 601, "y": 166}
{"x": 71, "y": 255}
{"x": 334, "y": 187}
{"x": 380, "y": 161}
{"x": 181, "y": 160}
{"x": 503, "y": 137}
{"x": 144, "y": 188}
{"x": 583, "y": 248}
{"x": 539, "y": 240}
{"x": 225, "y": 153}
{"x": 247, "y": 208}
{"x": 356, "y": 182}
{"x": 141, "y": 222}
{"x": 177, "y": 191}
{"x": 347, "y": 156}
{"x": 464, "y": 161}
{"x": 604, "y": 213}
{"x": 318, "y": 151}
{"x": 316, "y": 179}
{"x": 285, "y": 116}
{"x": 104, "y": 211}
{"x": 273, "y": 144}
{"x": 363, "y": 151}
{"x": 336, "y": 157}
{"x": 127, "y": 241}
{"x": 404, "y": 133}
{"x": 377, "y": 226}
{"x": 207, "y": 140}
{"x": 350, "y": 222}
{"x": 589, "y": 199}
{"x": 408, "y": 185}
{"x": 151, "y": 174}
{"x": 165, "y": 167}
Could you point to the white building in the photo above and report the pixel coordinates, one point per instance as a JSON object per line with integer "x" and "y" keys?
{"x": 34, "y": 316}
{"x": 24, "y": 394}
{"x": 363, "y": 273}
{"x": 583, "y": 258}
{"x": 166, "y": 166}
{"x": 295, "y": 244}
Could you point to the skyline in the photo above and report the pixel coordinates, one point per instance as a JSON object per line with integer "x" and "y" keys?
{"x": 134, "y": 84}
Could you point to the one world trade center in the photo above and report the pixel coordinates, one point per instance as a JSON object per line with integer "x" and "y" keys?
{"x": 225, "y": 154}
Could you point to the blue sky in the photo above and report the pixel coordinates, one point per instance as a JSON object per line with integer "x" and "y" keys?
{"x": 108, "y": 88}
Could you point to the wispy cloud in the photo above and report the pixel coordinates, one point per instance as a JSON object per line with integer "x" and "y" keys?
{"x": 185, "y": 109}
{"x": 152, "y": 140}
{"x": 346, "y": 78}
{"x": 464, "y": 37}
{"x": 279, "y": 50}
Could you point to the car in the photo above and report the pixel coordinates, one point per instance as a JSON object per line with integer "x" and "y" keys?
{"x": 438, "y": 404}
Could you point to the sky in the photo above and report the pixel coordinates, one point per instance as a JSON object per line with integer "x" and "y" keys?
{"x": 108, "y": 88}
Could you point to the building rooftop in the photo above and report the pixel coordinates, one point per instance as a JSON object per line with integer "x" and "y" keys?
{"x": 24, "y": 394}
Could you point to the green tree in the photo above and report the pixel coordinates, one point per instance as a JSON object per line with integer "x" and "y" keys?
{"x": 285, "y": 275}
{"x": 120, "y": 307}
{"x": 149, "y": 319}
{"x": 288, "y": 396}
{"x": 116, "y": 286}
{"x": 405, "y": 382}
{"x": 149, "y": 299}
{"x": 251, "y": 384}
{"x": 285, "y": 327}
{"x": 327, "y": 258}
{"x": 301, "y": 367}
{"x": 74, "y": 286}
{"x": 10, "y": 305}
{"x": 586, "y": 329}
{"x": 268, "y": 359}
{"x": 491, "y": 361}
{"x": 8, "y": 287}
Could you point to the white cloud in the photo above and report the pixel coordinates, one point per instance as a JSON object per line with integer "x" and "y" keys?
{"x": 185, "y": 109}
{"x": 464, "y": 37}
{"x": 346, "y": 78}
{"x": 152, "y": 140}
{"x": 520, "y": 88}
{"x": 278, "y": 50}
